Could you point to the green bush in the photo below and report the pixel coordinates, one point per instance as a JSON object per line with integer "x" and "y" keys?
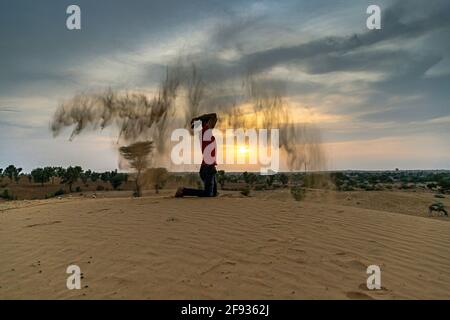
{"x": 7, "y": 195}
{"x": 54, "y": 194}
{"x": 368, "y": 187}
{"x": 431, "y": 185}
{"x": 298, "y": 193}
{"x": 245, "y": 191}
{"x": 117, "y": 180}
{"x": 58, "y": 193}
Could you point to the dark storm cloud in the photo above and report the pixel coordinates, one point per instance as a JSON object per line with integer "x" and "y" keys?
{"x": 386, "y": 61}
{"x": 393, "y": 29}
{"x": 433, "y": 99}
{"x": 35, "y": 38}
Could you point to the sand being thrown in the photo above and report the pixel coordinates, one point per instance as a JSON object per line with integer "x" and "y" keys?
{"x": 181, "y": 95}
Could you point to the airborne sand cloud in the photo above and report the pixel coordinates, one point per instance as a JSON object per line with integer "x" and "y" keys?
{"x": 137, "y": 117}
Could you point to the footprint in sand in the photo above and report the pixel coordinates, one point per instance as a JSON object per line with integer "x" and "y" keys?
{"x": 347, "y": 263}
{"x": 42, "y": 224}
{"x": 358, "y": 265}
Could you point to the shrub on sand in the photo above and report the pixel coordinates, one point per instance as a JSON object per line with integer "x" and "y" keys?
{"x": 245, "y": 191}
{"x": 7, "y": 195}
{"x": 298, "y": 193}
{"x": 58, "y": 193}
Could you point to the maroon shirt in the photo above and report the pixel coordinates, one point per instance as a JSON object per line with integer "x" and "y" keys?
{"x": 206, "y": 141}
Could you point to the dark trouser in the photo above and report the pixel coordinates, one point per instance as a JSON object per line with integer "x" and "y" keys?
{"x": 208, "y": 176}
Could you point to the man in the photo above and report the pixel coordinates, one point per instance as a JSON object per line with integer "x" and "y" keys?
{"x": 208, "y": 167}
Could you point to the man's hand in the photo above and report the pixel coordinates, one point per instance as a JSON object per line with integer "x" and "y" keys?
{"x": 209, "y": 117}
{"x": 192, "y": 122}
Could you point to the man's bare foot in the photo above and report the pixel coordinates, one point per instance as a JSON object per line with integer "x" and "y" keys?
{"x": 179, "y": 193}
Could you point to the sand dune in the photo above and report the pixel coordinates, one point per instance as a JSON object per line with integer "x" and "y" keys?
{"x": 267, "y": 247}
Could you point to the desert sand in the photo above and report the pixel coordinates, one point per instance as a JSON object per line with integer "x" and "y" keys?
{"x": 267, "y": 246}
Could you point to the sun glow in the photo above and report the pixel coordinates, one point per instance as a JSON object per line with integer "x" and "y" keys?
{"x": 243, "y": 150}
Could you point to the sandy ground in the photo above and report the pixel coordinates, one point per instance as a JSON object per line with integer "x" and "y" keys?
{"x": 263, "y": 247}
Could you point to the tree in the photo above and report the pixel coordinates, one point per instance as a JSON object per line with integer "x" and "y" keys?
{"x": 9, "y": 172}
{"x": 88, "y": 173}
{"x": 269, "y": 180}
{"x": 40, "y": 176}
{"x": 114, "y": 178}
{"x": 137, "y": 155}
{"x": 284, "y": 179}
{"x": 249, "y": 178}
{"x": 51, "y": 173}
{"x": 16, "y": 177}
{"x": 157, "y": 177}
{"x": 444, "y": 184}
{"x": 221, "y": 178}
{"x": 12, "y": 173}
{"x": 86, "y": 176}
{"x": 71, "y": 176}
{"x": 339, "y": 179}
{"x": 117, "y": 179}
{"x": 105, "y": 176}
{"x": 95, "y": 176}
{"x": 60, "y": 172}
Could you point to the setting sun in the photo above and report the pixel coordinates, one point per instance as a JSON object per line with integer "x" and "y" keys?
{"x": 243, "y": 149}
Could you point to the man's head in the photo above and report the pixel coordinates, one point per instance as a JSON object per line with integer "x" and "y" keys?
{"x": 211, "y": 122}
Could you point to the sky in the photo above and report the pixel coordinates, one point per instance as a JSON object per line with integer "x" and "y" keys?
{"x": 380, "y": 97}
